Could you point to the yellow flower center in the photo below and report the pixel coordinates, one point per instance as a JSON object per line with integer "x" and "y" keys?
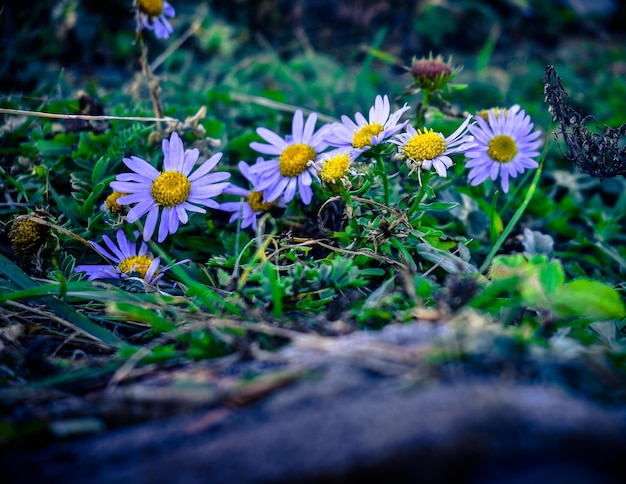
{"x": 171, "y": 188}
{"x": 136, "y": 263}
{"x": 111, "y": 203}
{"x": 294, "y": 159}
{"x": 363, "y": 137}
{"x": 424, "y": 146}
{"x": 485, "y": 113}
{"x": 335, "y": 168}
{"x": 502, "y": 148}
{"x": 255, "y": 200}
{"x": 152, "y": 8}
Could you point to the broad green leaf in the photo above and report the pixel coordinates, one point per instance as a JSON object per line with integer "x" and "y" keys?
{"x": 591, "y": 299}
{"x": 540, "y": 283}
{"x": 551, "y": 276}
{"x": 61, "y": 144}
{"x": 505, "y": 266}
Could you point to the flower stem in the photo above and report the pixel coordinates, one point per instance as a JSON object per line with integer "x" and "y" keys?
{"x": 421, "y": 109}
{"x": 381, "y": 168}
{"x": 354, "y": 224}
{"x": 420, "y": 195}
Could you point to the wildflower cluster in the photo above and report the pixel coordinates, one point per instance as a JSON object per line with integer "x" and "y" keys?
{"x": 497, "y": 143}
{"x": 222, "y": 225}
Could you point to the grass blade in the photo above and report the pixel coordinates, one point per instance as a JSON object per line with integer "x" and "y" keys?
{"x": 60, "y": 308}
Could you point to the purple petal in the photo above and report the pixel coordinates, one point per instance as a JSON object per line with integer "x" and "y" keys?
{"x": 272, "y": 194}
{"x": 309, "y": 128}
{"x": 133, "y": 177}
{"x": 102, "y": 251}
{"x": 130, "y": 187}
{"x": 305, "y": 177}
{"x": 206, "y": 167}
{"x": 132, "y": 198}
{"x": 182, "y": 214}
{"x": 296, "y": 127}
{"x": 142, "y": 167}
{"x": 174, "y": 221}
{"x": 112, "y": 247}
{"x": 177, "y": 154}
{"x": 191, "y": 156}
{"x": 150, "y": 224}
{"x": 235, "y": 190}
{"x": 140, "y": 209}
{"x": 290, "y": 191}
{"x": 163, "y": 225}
{"x": 306, "y": 194}
{"x": 212, "y": 179}
{"x": 192, "y": 208}
{"x": 272, "y": 138}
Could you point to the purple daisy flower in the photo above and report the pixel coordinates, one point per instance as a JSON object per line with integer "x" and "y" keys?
{"x": 254, "y": 205}
{"x": 127, "y": 258}
{"x": 505, "y": 145}
{"x": 172, "y": 192}
{"x": 152, "y": 15}
{"x": 357, "y": 137}
{"x": 290, "y": 170}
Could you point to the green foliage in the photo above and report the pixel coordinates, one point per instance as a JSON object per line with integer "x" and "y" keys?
{"x": 540, "y": 284}
{"x": 548, "y": 256}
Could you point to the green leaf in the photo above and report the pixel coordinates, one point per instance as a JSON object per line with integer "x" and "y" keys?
{"x": 61, "y": 144}
{"x": 446, "y": 260}
{"x": 438, "y": 206}
{"x": 506, "y": 266}
{"x": 540, "y": 283}
{"x": 90, "y": 144}
{"x": 99, "y": 170}
{"x": 551, "y": 277}
{"x": 457, "y": 87}
{"x": 87, "y": 208}
{"x": 137, "y": 313}
{"x": 591, "y": 299}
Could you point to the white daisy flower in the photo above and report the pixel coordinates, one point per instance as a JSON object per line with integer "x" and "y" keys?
{"x": 426, "y": 149}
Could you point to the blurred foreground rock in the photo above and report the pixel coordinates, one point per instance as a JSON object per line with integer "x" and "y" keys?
{"x": 357, "y": 413}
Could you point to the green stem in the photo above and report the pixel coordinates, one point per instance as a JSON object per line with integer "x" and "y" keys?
{"x": 420, "y": 195}
{"x": 383, "y": 173}
{"x": 517, "y": 215}
{"x": 421, "y": 114}
{"x": 350, "y": 205}
{"x": 494, "y": 218}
